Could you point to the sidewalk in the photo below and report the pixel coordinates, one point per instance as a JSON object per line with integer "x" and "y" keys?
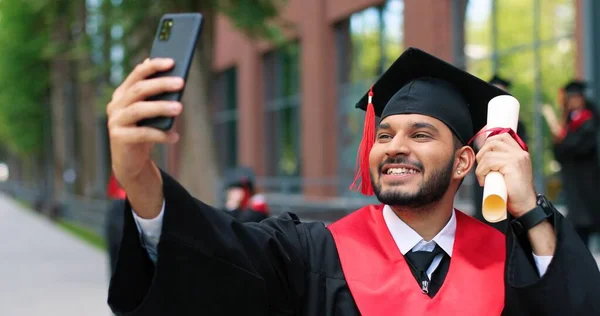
{"x": 46, "y": 271}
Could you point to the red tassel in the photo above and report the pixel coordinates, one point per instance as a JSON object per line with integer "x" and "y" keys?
{"x": 362, "y": 158}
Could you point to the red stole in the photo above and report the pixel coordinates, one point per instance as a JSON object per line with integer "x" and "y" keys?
{"x": 579, "y": 118}
{"x": 381, "y": 282}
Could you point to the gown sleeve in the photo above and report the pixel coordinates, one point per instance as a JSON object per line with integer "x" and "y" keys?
{"x": 570, "y": 286}
{"x": 208, "y": 263}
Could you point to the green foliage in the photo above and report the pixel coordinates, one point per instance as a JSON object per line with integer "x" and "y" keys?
{"x": 255, "y": 17}
{"x": 23, "y": 77}
{"x": 27, "y": 48}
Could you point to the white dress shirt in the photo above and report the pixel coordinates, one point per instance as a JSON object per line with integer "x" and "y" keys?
{"x": 409, "y": 240}
{"x": 405, "y": 238}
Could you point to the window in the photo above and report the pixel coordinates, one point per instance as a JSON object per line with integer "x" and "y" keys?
{"x": 367, "y": 43}
{"x": 226, "y": 118}
{"x": 532, "y": 43}
{"x": 282, "y": 95}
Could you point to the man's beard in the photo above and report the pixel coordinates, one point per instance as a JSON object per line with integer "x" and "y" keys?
{"x": 431, "y": 190}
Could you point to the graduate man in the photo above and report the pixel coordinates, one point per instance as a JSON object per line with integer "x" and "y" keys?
{"x": 411, "y": 255}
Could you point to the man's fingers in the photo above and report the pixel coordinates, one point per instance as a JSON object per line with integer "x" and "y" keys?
{"x": 490, "y": 161}
{"x": 144, "y": 89}
{"x": 497, "y": 144}
{"x": 138, "y": 135}
{"x": 143, "y": 110}
{"x": 145, "y": 70}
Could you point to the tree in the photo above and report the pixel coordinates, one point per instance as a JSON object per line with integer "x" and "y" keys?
{"x": 68, "y": 62}
{"x": 198, "y": 166}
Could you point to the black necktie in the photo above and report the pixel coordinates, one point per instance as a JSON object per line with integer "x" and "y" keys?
{"x": 420, "y": 261}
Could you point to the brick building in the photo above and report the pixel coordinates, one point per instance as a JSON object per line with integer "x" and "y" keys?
{"x": 288, "y": 112}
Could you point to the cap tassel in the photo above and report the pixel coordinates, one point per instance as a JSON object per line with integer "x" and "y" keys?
{"x": 362, "y": 158}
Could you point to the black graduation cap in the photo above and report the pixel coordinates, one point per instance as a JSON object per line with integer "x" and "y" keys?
{"x": 496, "y": 79}
{"x": 419, "y": 83}
{"x": 575, "y": 87}
{"x": 242, "y": 177}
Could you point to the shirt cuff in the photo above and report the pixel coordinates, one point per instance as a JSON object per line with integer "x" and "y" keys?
{"x": 150, "y": 230}
{"x": 542, "y": 263}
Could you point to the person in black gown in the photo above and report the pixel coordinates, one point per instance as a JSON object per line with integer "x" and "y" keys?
{"x": 412, "y": 255}
{"x": 242, "y": 201}
{"x": 576, "y": 149}
{"x": 113, "y": 225}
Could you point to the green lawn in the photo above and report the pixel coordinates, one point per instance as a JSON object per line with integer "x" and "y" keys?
{"x": 83, "y": 233}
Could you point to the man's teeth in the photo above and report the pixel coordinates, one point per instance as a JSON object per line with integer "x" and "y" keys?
{"x": 396, "y": 171}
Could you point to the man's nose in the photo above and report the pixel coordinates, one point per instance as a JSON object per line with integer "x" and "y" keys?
{"x": 398, "y": 146}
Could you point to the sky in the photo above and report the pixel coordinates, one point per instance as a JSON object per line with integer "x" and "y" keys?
{"x": 479, "y": 10}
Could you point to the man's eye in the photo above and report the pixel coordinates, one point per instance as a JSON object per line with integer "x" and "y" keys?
{"x": 421, "y": 135}
{"x": 384, "y": 136}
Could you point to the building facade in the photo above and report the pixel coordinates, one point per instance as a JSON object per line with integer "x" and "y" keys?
{"x": 288, "y": 111}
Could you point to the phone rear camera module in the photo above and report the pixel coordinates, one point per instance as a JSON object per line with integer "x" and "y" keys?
{"x": 165, "y": 30}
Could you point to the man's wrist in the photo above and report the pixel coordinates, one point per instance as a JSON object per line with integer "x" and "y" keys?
{"x": 146, "y": 194}
{"x": 524, "y": 208}
{"x": 533, "y": 217}
{"x": 542, "y": 238}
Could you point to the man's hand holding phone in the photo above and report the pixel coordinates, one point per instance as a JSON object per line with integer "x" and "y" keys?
{"x": 131, "y": 144}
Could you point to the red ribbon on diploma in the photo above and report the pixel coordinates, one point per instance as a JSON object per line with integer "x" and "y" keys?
{"x": 501, "y": 130}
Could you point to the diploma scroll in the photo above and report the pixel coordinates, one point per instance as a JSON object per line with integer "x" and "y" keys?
{"x": 503, "y": 111}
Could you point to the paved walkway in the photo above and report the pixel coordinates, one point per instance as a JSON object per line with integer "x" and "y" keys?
{"x": 46, "y": 271}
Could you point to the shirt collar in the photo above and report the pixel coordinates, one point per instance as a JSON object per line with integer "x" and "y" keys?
{"x": 406, "y": 238}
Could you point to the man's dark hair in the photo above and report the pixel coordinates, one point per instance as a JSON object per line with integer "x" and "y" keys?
{"x": 458, "y": 144}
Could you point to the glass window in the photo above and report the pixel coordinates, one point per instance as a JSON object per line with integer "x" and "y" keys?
{"x": 478, "y": 36}
{"x": 282, "y": 94}
{"x": 531, "y": 43}
{"x": 557, "y": 19}
{"x": 367, "y": 43}
{"x": 226, "y": 118}
{"x": 514, "y": 23}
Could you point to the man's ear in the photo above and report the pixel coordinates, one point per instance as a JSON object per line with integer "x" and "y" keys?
{"x": 464, "y": 160}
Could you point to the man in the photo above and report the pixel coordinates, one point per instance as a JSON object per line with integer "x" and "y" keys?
{"x": 505, "y": 85}
{"x": 412, "y": 255}
{"x": 575, "y": 148}
{"x": 242, "y": 201}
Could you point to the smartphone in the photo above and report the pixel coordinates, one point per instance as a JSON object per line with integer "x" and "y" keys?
{"x": 175, "y": 38}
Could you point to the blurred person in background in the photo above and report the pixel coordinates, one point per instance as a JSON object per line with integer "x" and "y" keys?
{"x": 505, "y": 85}
{"x": 242, "y": 201}
{"x": 575, "y": 148}
{"x": 114, "y": 219}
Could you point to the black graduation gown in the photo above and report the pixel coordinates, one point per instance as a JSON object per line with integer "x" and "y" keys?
{"x": 211, "y": 264}
{"x": 247, "y": 215}
{"x": 580, "y": 173}
{"x": 114, "y": 230}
